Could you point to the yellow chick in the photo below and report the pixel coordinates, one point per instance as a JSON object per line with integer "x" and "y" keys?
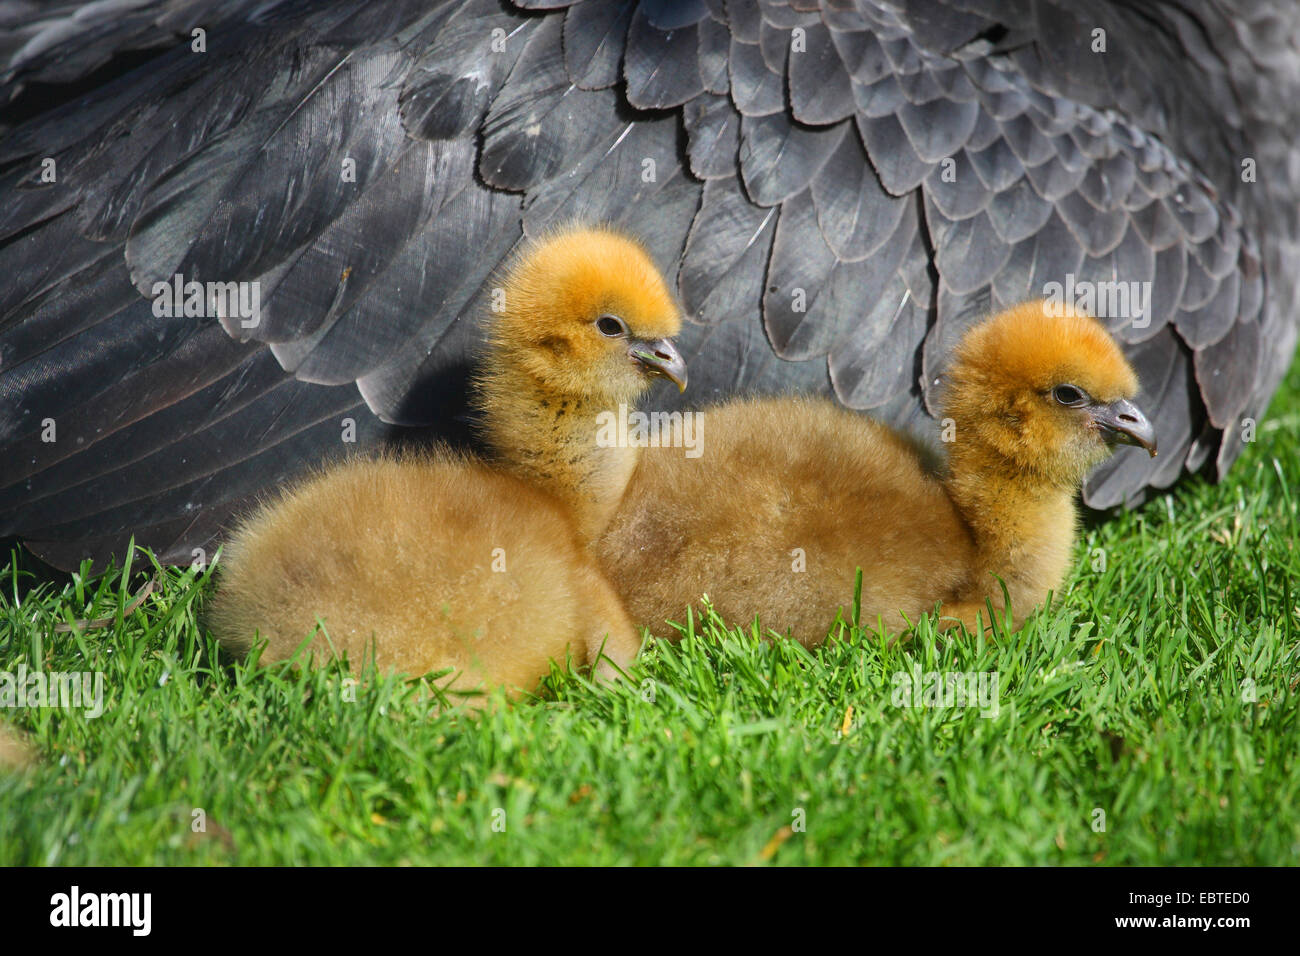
{"x": 427, "y": 563}
{"x": 441, "y": 561}
{"x": 791, "y": 496}
{"x": 548, "y": 385}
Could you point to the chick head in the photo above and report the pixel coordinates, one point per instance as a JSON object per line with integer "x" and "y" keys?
{"x": 1048, "y": 394}
{"x": 588, "y": 314}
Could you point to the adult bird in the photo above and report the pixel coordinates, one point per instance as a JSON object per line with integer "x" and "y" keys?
{"x": 843, "y": 187}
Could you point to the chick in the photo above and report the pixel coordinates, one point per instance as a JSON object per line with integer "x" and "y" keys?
{"x": 444, "y": 562}
{"x": 1036, "y": 401}
{"x": 427, "y": 563}
{"x": 545, "y": 391}
{"x": 791, "y": 495}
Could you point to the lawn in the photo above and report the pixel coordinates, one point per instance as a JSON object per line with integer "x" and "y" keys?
{"x": 1151, "y": 717}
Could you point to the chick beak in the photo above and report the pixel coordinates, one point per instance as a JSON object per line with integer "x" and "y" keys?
{"x": 660, "y": 357}
{"x": 1123, "y": 423}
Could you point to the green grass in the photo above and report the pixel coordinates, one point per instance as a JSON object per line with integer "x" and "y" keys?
{"x": 1131, "y": 697}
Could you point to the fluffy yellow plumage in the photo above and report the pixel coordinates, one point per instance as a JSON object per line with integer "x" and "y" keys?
{"x": 791, "y": 496}
{"x": 444, "y": 562}
{"x": 425, "y": 563}
{"x": 547, "y": 379}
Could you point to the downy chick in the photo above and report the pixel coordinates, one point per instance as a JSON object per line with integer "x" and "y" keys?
{"x": 441, "y": 561}
{"x": 429, "y": 563}
{"x": 791, "y": 495}
{"x": 545, "y": 392}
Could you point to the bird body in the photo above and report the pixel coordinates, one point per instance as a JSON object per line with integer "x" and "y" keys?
{"x": 452, "y": 563}
{"x": 1019, "y": 453}
{"x": 791, "y": 496}
{"x": 424, "y": 564}
{"x": 772, "y": 520}
{"x": 935, "y": 159}
{"x": 544, "y": 392}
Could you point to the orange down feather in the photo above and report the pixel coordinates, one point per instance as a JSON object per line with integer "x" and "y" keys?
{"x": 441, "y": 562}
{"x": 792, "y": 495}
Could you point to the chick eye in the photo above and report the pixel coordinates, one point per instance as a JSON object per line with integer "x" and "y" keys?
{"x": 611, "y": 326}
{"x": 1070, "y": 395}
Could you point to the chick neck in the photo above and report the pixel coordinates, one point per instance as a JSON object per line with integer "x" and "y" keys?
{"x": 1023, "y": 521}
{"x": 550, "y": 441}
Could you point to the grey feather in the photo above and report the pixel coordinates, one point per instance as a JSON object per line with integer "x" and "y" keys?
{"x": 968, "y": 253}
{"x": 955, "y": 190}
{"x": 820, "y": 89}
{"x": 811, "y": 302}
{"x": 855, "y": 214}
{"x": 457, "y": 76}
{"x": 726, "y": 254}
{"x": 1018, "y": 212}
{"x": 872, "y": 368}
{"x": 669, "y": 15}
{"x": 1207, "y": 324}
{"x": 594, "y": 40}
{"x": 1098, "y": 230}
{"x": 661, "y": 66}
{"x": 755, "y": 89}
{"x": 1026, "y": 141}
{"x": 997, "y": 166}
{"x": 713, "y": 136}
{"x": 779, "y": 159}
{"x": 1048, "y": 255}
{"x": 937, "y": 128}
{"x": 1226, "y": 373}
{"x": 714, "y": 48}
{"x": 711, "y": 128}
{"x": 539, "y": 116}
{"x": 892, "y": 155}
